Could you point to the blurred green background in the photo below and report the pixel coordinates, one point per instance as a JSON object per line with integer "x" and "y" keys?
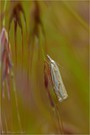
{"x": 66, "y": 24}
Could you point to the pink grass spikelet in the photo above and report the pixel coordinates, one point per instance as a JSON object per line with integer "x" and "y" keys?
{"x": 6, "y": 69}
{"x": 5, "y": 59}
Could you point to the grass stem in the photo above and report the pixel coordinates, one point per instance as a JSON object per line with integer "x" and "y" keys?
{"x": 5, "y": 4}
{"x": 17, "y": 107}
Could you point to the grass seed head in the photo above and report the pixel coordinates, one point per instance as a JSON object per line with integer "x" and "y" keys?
{"x": 5, "y": 54}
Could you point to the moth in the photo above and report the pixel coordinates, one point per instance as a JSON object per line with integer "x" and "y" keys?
{"x": 57, "y": 81}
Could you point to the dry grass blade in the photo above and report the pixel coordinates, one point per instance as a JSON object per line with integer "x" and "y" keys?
{"x": 46, "y": 82}
{"x": 15, "y": 16}
{"x": 36, "y": 28}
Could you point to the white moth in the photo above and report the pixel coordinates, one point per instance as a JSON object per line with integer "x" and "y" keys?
{"x": 58, "y": 85}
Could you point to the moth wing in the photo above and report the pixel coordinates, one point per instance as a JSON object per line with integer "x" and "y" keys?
{"x": 60, "y": 85}
{"x": 55, "y": 81}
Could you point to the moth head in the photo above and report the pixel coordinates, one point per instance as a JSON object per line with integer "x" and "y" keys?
{"x": 50, "y": 59}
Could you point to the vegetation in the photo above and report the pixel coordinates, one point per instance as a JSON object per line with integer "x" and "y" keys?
{"x": 29, "y": 31}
